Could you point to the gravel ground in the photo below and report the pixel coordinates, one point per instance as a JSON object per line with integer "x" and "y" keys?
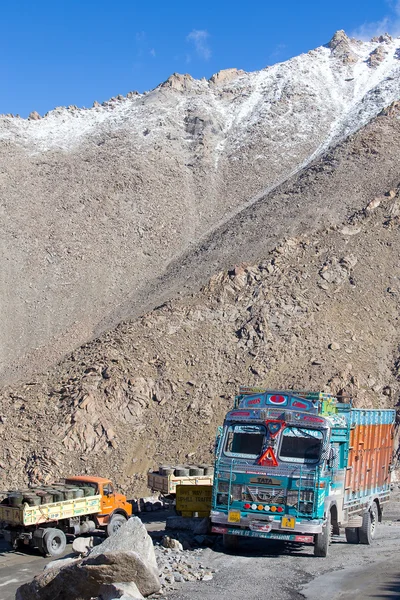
{"x": 283, "y": 571}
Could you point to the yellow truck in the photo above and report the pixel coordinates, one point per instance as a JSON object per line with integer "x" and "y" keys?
{"x": 42, "y": 517}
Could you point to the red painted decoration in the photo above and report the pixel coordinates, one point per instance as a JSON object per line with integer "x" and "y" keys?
{"x": 313, "y": 419}
{"x": 277, "y": 399}
{"x": 255, "y": 401}
{"x": 268, "y": 459}
{"x": 297, "y": 404}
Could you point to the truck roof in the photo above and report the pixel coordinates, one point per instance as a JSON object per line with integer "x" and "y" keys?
{"x": 89, "y": 479}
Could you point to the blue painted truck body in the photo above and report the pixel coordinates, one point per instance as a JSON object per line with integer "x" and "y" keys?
{"x": 293, "y": 465}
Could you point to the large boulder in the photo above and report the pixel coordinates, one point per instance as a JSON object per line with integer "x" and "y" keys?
{"x": 132, "y": 536}
{"x": 125, "y": 565}
{"x": 127, "y": 556}
{"x": 120, "y": 591}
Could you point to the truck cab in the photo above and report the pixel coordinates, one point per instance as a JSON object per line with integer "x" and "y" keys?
{"x": 114, "y": 507}
{"x": 283, "y": 472}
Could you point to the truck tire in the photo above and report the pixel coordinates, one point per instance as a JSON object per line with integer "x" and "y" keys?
{"x": 230, "y": 541}
{"x": 368, "y": 528}
{"x": 323, "y": 539}
{"x": 196, "y": 471}
{"x": 181, "y": 472}
{"x": 352, "y": 536}
{"x": 54, "y": 542}
{"x": 115, "y": 523}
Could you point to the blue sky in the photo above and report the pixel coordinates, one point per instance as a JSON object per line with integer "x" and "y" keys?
{"x": 63, "y": 52}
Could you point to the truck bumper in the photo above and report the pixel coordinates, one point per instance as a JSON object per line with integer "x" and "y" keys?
{"x": 255, "y": 525}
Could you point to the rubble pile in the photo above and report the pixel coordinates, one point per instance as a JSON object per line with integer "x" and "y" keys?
{"x": 317, "y": 312}
{"x": 179, "y": 562}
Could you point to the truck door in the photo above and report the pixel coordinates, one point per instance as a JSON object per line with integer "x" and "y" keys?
{"x": 107, "y": 499}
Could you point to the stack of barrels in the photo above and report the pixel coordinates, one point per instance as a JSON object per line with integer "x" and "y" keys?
{"x": 187, "y": 470}
{"x": 57, "y": 492}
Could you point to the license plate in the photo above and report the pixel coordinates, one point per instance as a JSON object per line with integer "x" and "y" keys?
{"x": 234, "y": 516}
{"x": 288, "y": 522}
{"x": 265, "y": 527}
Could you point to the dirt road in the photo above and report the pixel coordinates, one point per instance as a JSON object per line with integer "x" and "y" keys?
{"x": 279, "y": 571}
{"x": 274, "y": 570}
{"x": 264, "y": 570}
{"x": 17, "y": 568}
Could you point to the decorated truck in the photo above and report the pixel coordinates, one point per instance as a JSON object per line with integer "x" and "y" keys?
{"x": 41, "y": 517}
{"x": 298, "y": 466}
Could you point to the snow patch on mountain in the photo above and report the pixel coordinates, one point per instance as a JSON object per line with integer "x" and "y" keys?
{"x": 309, "y": 92}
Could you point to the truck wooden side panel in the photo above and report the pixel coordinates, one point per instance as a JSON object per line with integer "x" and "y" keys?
{"x": 167, "y": 483}
{"x": 370, "y": 454}
{"x": 44, "y": 513}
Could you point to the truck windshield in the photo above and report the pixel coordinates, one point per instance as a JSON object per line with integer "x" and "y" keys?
{"x": 301, "y": 445}
{"x": 245, "y": 441}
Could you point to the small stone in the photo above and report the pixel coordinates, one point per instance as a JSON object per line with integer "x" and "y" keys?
{"x": 373, "y": 204}
{"x": 350, "y": 230}
{"x": 334, "y": 346}
{"x": 207, "y": 577}
{"x": 82, "y": 545}
{"x": 171, "y": 543}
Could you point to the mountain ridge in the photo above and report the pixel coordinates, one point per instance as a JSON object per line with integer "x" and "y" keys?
{"x": 97, "y": 203}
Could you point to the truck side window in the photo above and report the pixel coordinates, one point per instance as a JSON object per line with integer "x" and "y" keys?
{"x": 108, "y": 490}
{"x": 245, "y": 440}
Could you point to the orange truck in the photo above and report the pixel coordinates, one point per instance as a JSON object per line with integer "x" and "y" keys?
{"x": 41, "y": 517}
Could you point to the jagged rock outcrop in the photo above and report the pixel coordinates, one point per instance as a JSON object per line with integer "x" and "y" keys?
{"x": 391, "y": 111}
{"x": 178, "y": 82}
{"x": 377, "y": 56}
{"x": 382, "y": 39}
{"x": 34, "y": 116}
{"x": 225, "y": 76}
{"x": 341, "y": 48}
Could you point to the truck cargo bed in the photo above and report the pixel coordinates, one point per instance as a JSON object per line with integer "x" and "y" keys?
{"x": 34, "y": 515}
{"x": 167, "y": 483}
{"x": 370, "y": 454}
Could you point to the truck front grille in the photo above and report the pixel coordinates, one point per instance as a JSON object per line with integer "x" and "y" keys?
{"x": 265, "y": 494}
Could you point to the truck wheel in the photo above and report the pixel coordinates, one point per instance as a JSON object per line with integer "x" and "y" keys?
{"x": 229, "y": 541}
{"x": 54, "y": 542}
{"x": 323, "y": 539}
{"x": 115, "y": 523}
{"x": 352, "y": 536}
{"x": 368, "y": 528}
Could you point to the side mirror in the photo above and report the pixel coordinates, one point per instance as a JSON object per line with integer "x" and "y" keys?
{"x": 333, "y": 458}
{"x": 218, "y": 439}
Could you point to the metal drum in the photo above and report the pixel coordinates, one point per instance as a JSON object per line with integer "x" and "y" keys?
{"x": 15, "y": 498}
{"x": 31, "y": 499}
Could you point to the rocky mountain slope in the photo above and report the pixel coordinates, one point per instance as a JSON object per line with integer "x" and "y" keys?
{"x": 106, "y": 212}
{"x": 318, "y": 311}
